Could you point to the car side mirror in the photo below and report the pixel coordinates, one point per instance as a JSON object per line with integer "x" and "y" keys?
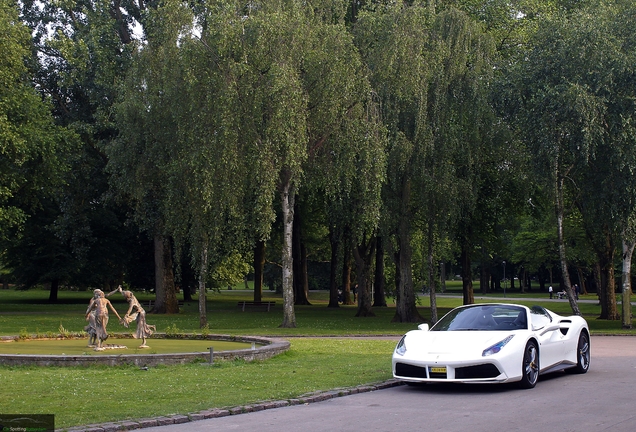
{"x": 423, "y": 327}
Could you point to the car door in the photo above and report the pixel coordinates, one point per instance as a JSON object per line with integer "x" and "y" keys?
{"x": 551, "y": 344}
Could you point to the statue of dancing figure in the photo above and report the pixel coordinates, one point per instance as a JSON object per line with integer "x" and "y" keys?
{"x": 98, "y": 306}
{"x": 91, "y": 328}
{"x": 136, "y": 312}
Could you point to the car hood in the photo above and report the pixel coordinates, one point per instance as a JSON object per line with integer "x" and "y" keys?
{"x": 452, "y": 342}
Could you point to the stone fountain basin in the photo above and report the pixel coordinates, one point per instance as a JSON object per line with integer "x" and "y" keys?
{"x": 252, "y": 348}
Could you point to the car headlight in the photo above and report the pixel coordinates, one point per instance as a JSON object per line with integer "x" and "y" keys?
{"x": 494, "y": 349}
{"x": 400, "y": 349}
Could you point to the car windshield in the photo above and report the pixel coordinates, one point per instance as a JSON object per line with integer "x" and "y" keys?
{"x": 483, "y": 317}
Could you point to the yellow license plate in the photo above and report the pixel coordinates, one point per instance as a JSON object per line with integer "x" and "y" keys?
{"x": 438, "y": 370}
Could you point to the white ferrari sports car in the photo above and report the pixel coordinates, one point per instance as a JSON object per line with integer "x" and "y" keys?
{"x": 493, "y": 343}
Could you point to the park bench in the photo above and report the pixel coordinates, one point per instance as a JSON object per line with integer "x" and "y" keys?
{"x": 252, "y": 304}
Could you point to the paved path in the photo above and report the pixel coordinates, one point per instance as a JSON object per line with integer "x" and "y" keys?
{"x": 601, "y": 400}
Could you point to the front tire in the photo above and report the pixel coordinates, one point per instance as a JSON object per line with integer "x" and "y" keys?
{"x": 583, "y": 354}
{"x": 530, "y": 366}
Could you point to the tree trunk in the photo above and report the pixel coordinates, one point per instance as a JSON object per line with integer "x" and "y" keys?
{"x": 467, "y": 275}
{"x": 523, "y": 280}
{"x": 203, "y": 271}
{"x": 302, "y": 292}
{"x": 363, "y": 254}
{"x": 346, "y": 270}
{"x": 379, "y": 299}
{"x": 160, "y": 289}
{"x": 565, "y": 274}
{"x": 287, "y": 201}
{"x": 512, "y": 277}
{"x": 301, "y": 283}
{"x": 484, "y": 275}
{"x": 431, "y": 275}
{"x": 187, "y": 277}
{"x": 442, "y": 276}
{"x": 607, "y": 286}
{"x": 55, "y": 286}
{"x": 187, "y": 293}
{"x": 166, "y": 295}
{"x": 582, "y": 281}
{"x": 299, "y": 260}
{"x": 484, "y": 278}
{"x": 599, "y": 288}
{"x": 608, "y": 298}
{"x": 405, "y": 307}
{"x": 259, "y": 265}
{"x": 333, "y": 268}
{"x": 628, "y": 251}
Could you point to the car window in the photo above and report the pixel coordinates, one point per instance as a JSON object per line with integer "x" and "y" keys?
{"x": 483, "y": 317}
{"x": 539, "y": 317}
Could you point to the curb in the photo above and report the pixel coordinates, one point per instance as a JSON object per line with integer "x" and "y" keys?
{"x": 127, "y": 425}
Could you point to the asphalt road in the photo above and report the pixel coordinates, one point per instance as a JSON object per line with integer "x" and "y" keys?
{"x": 604, "y": 399}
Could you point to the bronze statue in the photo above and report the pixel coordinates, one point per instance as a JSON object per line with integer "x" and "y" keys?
{"x": 136, "y": 312}
{"x": 99, "y": 304}
{"x": 91, "y": 328}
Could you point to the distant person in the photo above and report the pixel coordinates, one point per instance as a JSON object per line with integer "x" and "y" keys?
{"x": 576, "y": 291}
{"x": 551, "y": 291}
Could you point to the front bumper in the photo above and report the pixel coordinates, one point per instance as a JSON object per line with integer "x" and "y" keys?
{"x": 458, "y": 372}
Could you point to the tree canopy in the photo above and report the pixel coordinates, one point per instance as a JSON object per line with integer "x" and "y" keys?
{"x": 417, "y": 133}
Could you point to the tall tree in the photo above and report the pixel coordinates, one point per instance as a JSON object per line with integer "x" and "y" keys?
{"x": 303, "y": 96}
{"x": 141, "y": 157}
{"x": 34, "y": 159}
{"x": 431, "y": 70}
{"x": 577, "y": 95}
{"x": 560, "y": 119}
{"x": 32, "y": 147}
{"x": 395, "y": 44}
{"x": 608, "y": 198}
{"x": 82, "y": 50}
{"x": 463, "y": 125}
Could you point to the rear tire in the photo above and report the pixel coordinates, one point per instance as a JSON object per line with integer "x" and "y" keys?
{"x": 583, "y": 354}
{"x": 530, "y": 366}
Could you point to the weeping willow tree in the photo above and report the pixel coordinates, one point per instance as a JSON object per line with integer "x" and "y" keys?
{"x": 346, "y": 158}
{"x": 314, "y": 120}
{"x": 466, "y": 136}
{"x": 395, "y": 44}
{"x": 431, "y": 71}
{"x": 147, "y": 116}
{"x": 577, "y": 89}
{"x": 180, "y": 153}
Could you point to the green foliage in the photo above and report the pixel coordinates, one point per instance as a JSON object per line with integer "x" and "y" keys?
{"x": 32, "y": 148}
{"x": 172, "y": 330}
{"x": 231, "y": 271}
{"x": 205, "y": 330}
{"x": 223, "y": 105}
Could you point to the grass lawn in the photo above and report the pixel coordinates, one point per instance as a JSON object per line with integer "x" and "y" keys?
{"x": 79, "y": 396}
